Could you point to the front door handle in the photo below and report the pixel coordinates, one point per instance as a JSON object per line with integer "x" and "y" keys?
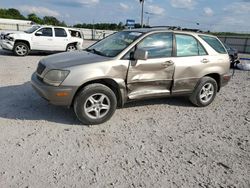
{"x": 167, "y": 63}
{"x": 205, "y": 60}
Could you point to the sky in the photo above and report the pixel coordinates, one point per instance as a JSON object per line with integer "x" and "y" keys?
{"x": 213, "y": 15}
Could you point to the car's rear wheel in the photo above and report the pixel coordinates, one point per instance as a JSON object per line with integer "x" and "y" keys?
{"x": 205, "y": 92}
{"x": 21, "y": 49}
{"x": 71, "y": 47}
{"x": 95, "y": 104}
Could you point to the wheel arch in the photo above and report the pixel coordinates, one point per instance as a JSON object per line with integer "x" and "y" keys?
{"x": 112, "y": 84}
{"x": 217, "y": 78}
{"x": 74, "y": 43}
{"x": 24, "y": 41}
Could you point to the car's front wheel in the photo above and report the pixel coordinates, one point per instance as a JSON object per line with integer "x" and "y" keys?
{"x": 204, "y": 92}
{"x": 21, "y": 49}
{"x": 95, "y": 104}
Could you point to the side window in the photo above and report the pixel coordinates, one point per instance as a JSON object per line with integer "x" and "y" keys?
{"x": 60, "y": 32}
{"x": 186, "y": 46}
{"x": 46, "y": 32}
{"x": 158, "y": 45}
{"x": 202, "y": 51}
{"x": 214, "y": 43}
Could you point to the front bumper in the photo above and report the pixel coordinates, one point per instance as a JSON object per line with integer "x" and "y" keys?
{"x": 7, "y": 45}
{"x": 225, "y": 79}
{"x": 51, "y": 93}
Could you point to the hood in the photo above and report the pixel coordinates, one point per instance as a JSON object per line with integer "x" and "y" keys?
{"x": 11, "y": 32}
{"x": 69, "y": 59}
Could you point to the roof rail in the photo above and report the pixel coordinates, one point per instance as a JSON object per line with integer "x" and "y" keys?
{"x": 178, "y": 28}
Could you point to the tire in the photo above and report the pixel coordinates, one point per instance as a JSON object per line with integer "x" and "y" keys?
{"x": 95, "y": 104}
{"x": 71, "y": 47}
{"x": 21, "y": 49}
{"x": 205, "y": 92}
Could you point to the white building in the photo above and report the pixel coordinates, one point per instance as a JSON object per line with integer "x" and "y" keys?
{"x": 13, "y": 24}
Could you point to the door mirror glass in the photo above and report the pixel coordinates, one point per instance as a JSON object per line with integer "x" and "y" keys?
{"x": 141, "y": 54}
{"x": 39, "y": 33}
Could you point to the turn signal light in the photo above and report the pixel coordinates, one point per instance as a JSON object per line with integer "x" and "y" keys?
{"x": 62, "y": 94}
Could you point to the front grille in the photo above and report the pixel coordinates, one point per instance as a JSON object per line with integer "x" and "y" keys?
{"x": 40, "y": 68}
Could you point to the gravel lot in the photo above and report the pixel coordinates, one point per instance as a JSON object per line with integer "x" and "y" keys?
{"x": 153, "y": 143}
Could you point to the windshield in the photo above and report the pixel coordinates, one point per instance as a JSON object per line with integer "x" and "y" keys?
{"x": 32, "y": 29}
{"x": 114, "y": 44}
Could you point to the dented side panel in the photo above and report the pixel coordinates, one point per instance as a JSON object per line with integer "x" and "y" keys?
{"x": 189, "y": 70}
{"x": 149, "y": 78}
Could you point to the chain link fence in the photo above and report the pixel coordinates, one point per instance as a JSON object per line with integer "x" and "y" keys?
{"x": 241, "y": 43}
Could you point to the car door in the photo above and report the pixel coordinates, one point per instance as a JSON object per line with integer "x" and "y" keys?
{"x": 61, "y": 39}
{"x": 190, "y": 59}
{"x": 43, "y": 39}
{"x": 152, "y": 77}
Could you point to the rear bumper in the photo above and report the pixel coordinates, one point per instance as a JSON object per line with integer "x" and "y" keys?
{"x": 225, "y": 78}
{"x": 7, "y": 45}
{"x": 54, "y": 94}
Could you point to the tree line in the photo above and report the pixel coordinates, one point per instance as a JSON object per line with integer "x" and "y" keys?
{"x": 15, "y": 14}
{"x": 51, "y": 20}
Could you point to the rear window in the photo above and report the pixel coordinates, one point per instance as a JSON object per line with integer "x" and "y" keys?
{"x": 76, "y": 34}
{"x": 214, "y": 43}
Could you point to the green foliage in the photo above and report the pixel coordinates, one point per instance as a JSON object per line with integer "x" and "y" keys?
{"x": 34, "y": 18}
{"x": 11, "y": 14}
{"x": 101, "y": 26}
{"x": 15, "y": 14}
{"x": 51, "y": 20}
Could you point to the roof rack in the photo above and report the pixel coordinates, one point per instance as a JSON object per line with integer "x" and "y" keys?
{"x": 178, "y": 28}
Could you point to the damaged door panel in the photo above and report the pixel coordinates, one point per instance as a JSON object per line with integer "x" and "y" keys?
{"x": 150, "y": 78}
{"x": 152, "y": 75}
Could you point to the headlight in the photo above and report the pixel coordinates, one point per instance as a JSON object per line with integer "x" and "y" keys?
{"x": 9, "y": 38}
{"x": 55, "y": 77}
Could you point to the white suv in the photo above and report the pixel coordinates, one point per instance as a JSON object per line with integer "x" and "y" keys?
{"x": 42, "y": 38}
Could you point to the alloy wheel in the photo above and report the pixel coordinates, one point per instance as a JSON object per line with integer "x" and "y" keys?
{"x": 21, "y": 50}
{"x": 97, "y": 106}
{"x": 207, "y": 92}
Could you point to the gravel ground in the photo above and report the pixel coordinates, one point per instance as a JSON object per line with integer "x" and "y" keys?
{"x": 153, "y": 143}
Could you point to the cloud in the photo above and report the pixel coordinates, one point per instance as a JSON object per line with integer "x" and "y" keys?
{"x": 124, "y": 6}
{"x": 39, "y": 10}
{"x": 236, "y": 17}
{"x": 184, "y": 4}
{"x": 74, "y": 3}
{"x": 238, "y": 7}
{"x": 208, "y": 11}
{"x": 155, "y": 9}
{"x": 88, "y": 2}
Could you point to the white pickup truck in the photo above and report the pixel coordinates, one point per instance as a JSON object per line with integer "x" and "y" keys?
{"x": 42, "y": 38}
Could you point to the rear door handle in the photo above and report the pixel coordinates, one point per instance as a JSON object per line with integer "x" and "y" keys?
{"x": 205, "y": 60}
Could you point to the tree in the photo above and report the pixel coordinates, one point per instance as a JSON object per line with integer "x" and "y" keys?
{"x": 34, "y": 18}
{"x": 15, "y": 13}
{"x": 11, "y": 14}
{"x": 51, "y": 20}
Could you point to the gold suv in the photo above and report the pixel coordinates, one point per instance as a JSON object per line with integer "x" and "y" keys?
{"x": 131, "y": 65}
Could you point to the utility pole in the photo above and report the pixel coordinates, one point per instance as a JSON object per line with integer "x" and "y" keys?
{"x": 142, "y": 11}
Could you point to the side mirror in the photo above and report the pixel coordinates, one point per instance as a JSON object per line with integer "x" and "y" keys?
{"x": 140, "y": 54}
{"x": 39, "y": 33}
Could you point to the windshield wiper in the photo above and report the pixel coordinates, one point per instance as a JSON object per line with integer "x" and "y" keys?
{"x": 95, "y": 51}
